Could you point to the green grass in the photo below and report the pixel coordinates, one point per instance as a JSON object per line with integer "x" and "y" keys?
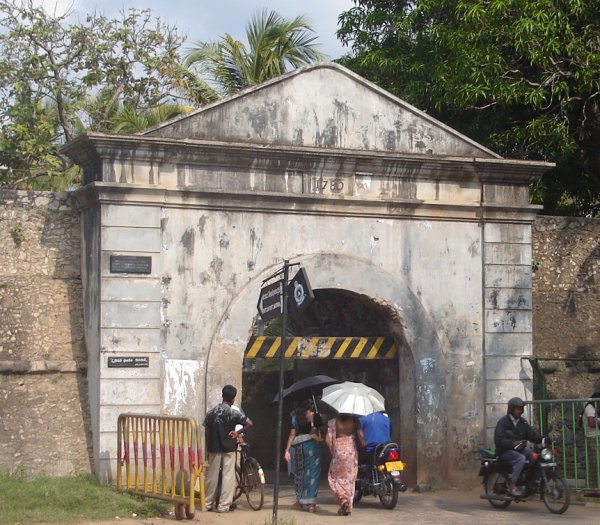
{"x": 68, "y": 500}
{"x": 281, "y": 521}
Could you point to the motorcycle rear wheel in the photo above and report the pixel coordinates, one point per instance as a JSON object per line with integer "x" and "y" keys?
{"x": 358, "y": 494}
{"x": 556, "y": 494}
{"x": 496, "y": 484}
{"x": 388, "y": 493}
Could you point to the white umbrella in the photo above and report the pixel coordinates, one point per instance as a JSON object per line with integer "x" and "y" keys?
{"x": 353, "y": 398}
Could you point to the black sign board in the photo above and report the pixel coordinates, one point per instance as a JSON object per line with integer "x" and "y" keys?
{"x": 300, "y": 293}
{"x": 128, "y": 362}
{"x": 270, "y": 301}
{"x": 130, "y": 264}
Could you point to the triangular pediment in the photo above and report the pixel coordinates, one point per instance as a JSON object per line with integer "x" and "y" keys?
{"x": 325, "y": 106}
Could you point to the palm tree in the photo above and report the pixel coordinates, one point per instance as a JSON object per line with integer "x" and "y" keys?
{"x": 135, "y": 120}
{"x": 274, "y": 44}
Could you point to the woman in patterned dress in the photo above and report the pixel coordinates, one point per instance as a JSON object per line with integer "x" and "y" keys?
{"x": 344, "y": 437}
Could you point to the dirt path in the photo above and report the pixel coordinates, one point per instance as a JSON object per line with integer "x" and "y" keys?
{"x": 432, "y": 508}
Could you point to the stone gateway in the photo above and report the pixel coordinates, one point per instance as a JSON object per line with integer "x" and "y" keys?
{"x": 373, "y": 198}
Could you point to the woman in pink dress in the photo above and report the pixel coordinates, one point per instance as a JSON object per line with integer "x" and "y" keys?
{"x": 343, "y": 438}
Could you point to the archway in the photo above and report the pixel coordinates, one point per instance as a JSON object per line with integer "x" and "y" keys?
{"x": 343, "y": 335}
{"x": 421, "y": 390}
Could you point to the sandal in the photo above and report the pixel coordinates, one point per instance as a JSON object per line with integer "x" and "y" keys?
{"x": 297, "y": 506}
{"x": 312, "y": 508}
{"x": 344, "y": 509}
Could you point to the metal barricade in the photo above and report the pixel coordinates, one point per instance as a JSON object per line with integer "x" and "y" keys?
{"x": 579, "y": 460}
{"x": 161, "y": 457}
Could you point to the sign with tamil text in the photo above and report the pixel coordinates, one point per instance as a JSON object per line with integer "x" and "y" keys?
{"x": 270, "y": 301}
{"x": 128, "y": 362}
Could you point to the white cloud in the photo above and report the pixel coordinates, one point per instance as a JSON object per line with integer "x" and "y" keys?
{"x": 56, "y": 7}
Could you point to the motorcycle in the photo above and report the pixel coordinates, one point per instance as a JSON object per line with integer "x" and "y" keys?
{"x": 538, "y": 477}
{"x": 381, "y": 476}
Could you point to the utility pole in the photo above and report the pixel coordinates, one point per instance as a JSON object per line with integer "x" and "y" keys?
{"x": 286, "y": 266}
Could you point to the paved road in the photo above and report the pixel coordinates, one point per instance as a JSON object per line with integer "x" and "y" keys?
{"x": 438, "y": 507}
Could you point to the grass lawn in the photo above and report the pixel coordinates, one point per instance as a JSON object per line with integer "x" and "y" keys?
{"x": 68, "y": 500}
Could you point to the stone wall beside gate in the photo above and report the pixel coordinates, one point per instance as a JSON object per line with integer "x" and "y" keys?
{"x": 44, "y": 420}
{"x": 43, "y": 362}
{"x": 566, "y": 302}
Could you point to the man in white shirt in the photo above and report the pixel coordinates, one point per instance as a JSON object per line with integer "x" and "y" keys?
{"x": 591, "y": 430}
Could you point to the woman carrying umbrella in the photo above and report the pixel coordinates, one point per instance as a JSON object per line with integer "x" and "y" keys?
{"x": 344, "y": 437}
{"x": 306, "y": 436}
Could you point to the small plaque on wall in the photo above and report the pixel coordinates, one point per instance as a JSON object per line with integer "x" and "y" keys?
{"x": 128, "y": 362}
{"x": 130, "y": 264}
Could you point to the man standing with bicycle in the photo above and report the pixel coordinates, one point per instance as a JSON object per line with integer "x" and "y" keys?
{"x": 221, "y": 444}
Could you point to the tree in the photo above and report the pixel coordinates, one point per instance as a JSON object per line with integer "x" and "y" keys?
{"x": 274, "y": 44}
{"x": 58, "y": 79}
{"x": 520, "y": 76}
{"x": 133, "y": 120}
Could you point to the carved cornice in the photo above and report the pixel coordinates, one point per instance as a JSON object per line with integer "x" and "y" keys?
{"x": 100, "y": 193}
{"x": 91, "y": 150}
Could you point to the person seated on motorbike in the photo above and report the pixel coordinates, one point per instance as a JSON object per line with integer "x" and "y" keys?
{"x": 510, "y": 437}
{"x": 377, "y": 430}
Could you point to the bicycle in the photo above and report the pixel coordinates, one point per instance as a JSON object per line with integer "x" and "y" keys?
{"x": 250, "y": 478}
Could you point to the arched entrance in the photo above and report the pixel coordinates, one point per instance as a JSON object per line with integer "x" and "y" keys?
{"x": 343, "y": 335}
{"x": 414, "y": 384}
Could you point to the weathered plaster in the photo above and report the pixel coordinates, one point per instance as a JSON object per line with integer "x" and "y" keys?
{"x": 353, "y": 114}
{"x": 370, "y": 194}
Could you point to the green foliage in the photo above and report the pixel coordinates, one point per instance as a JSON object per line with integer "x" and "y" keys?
{"x": 58, "y": 80}
{"x": 522, "y": 77}
{"x": 131, "y": 120}
{"x": 16, "y": 232}
{"x": 274, "y": 44}
{"x": 281, "y": 521}
{"x": 68, "y": 500}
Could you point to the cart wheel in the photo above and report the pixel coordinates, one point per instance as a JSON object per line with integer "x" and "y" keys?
{"x": 179, "y": 511}
{"x": 183, "y": 511}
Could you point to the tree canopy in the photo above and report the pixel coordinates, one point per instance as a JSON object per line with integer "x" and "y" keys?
{"x": 520, "y": 76}
{"x": 275, "y": 44}
{"x": 59, "y": 79}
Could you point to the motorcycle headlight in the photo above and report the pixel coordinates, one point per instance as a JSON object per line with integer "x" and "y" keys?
{"x": 546, "y": 454}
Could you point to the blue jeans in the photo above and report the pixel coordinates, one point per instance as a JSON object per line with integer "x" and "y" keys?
{"x": 517, "y": 461}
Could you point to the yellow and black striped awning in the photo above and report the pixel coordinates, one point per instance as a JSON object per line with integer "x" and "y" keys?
{"x": 322, "y": 348}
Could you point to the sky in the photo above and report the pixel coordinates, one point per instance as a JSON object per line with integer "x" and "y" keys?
{"x": 204, "y": 20}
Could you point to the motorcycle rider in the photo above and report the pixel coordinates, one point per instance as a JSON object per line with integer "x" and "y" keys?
{"x": 377, "y": 430}
{"x": 510, "y": 437}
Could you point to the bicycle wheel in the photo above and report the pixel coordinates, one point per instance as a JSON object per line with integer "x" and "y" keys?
{"x": 556, "y": 494}
{"x": 239, "y": 488}
{"x": 254, "y": 483}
